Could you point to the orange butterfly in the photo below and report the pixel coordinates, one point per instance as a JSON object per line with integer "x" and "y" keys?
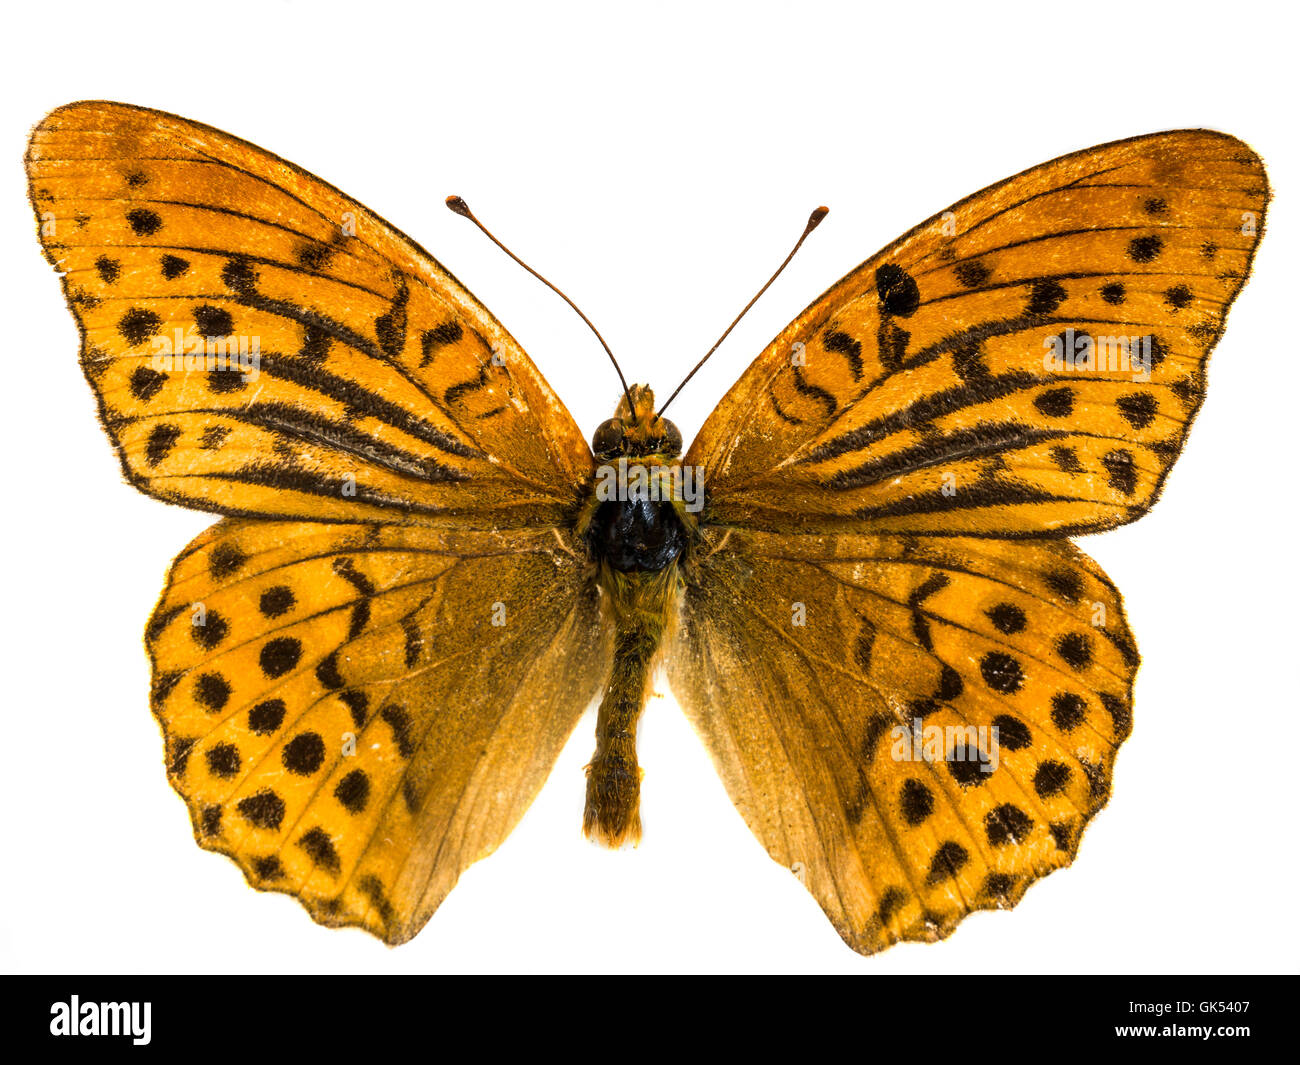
{"x": 858, "y": 577}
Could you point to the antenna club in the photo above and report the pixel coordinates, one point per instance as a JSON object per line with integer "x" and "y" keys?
{"x": 459, "y": 206}
{"x": 815, "y": 219}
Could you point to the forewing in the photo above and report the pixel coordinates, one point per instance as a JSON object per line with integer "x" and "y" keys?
{"x": 852, "y": 688}
{"x": 915, "y": 394}
{"x": 355, "y": 713}
{"x": 381, "y": 384}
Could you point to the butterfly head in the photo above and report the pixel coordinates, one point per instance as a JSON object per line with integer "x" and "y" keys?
{"x": 636, "y": 431}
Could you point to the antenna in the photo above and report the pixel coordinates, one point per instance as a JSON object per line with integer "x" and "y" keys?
{"x": 814, "y": 220}
{"x": 460, "y": 207}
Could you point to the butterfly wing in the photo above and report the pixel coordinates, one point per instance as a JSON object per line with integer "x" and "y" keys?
{"x": 854, "y": 689}
{"x": 382, "y": 389}
{"x": 900, "y": 468}
{"x": 355, "y": 713}
{"x": 357, "y": 705}
{"x": 914, "y": 394}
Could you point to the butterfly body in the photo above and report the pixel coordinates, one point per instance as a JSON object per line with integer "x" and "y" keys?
{"x": 912, "y": 682}
{"x": 638, "y": 528}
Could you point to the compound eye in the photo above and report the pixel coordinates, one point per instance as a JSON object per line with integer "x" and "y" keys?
{"x": 608, "y": 438}
{"x": 672, "y": 438}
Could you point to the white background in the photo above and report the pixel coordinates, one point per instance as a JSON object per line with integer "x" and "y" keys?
{"x": 656, "y": 161}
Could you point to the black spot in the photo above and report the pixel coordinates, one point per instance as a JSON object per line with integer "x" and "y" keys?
{"x": 1045, "y": 296}
{"x": 1121, "y": 473}
{"x": 1065, "y": 459}
{"x": 400, "y": 722}
{"x": 162, "y": 686}
{"x": 1013, "y": 734}
{"x": 180, "y": 755}
{"x": 998, "y": 885}
{"x": 1076, "y": 649}
{"x": 1055, "y": 402}
{"x": 1137, "y": 408}
{"x": 1001, "y": 672}
{"x": 1145, "y": 249}
{"x": 965, "y": 766}
{"x": 268, "y": 868}
{"x": 948, "y": 859}
{"x": 917, "y": 801}
{"x": 213, "y": 321}
{"x": 971, "y": 274}
{"x": 315, "y": 343}
{"x": 862, "y": 648}
{"x": 136, "y": 178}
{"x": 1065, "y": 583}
{"x": 1209, "y": 250}
{"x": 390, "y": 327}
{"x": 898, "y": 292}
{"x": 847, "y": 346}
{"x": 413, "y": 640}
{"x": 138, "y": 325}
{"x": 327, "y": 671}
{"x": 1007, "y": 618}
{"x": 1156, "y": 205}
{"x": 374, "y": 890}
{"x": 223, "y": 382}
{"x": 213, "y": 630}
{"x": 303, "y": 754}
{"x": 173, "y": 266}
{"x": 160, "y": 620}
{"x": 266, "y": 716}
{"x": 144, "y": 222}
{"x": 226, "y": 559}
{"x": 109, "y": 270}
{"x": 239, "y": 275}
{"x": 877, "y": 726}
{"x": 432, "y": 339}
{"x": 1007, "y": 824}
{"x": 353, "y": 791}
{"x": 223, "y": 759}
{"x": 891, "y": 342}
{"x": 280, "y": 655}
{"x": 359, "y": 620}
{"x": 968, "y": 361}
{"x": 211, "y": 691}
{"x": 410, "y": 797}
{"x": 213, "y": 437}
{"x": 320, "y": 848}
{"x": 1068, "y": 710}
{"x": 1159, "y": 352}
{"x": 1060, "y": 835}
{"x": 1113, "y": 293}
{"x": 950, "y": 685}
{"x": 276, "y": 601}
{"x": 314, "y": 256}
{"x": 890, "y": 902}
{"x": 146, "y": 383}
{"x": 357, "y": 704}
{"x": 1120, "y": 713}
{"x": 211, "y": 820}
{"x": 162, "y": 438}
{"x": 1097, "y": 784}
{"x": 1051, "y": 778}
{"x": 265, "y": 809}
{"x": 1178, "y": 297}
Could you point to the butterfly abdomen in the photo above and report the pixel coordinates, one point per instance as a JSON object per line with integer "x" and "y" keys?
{"x": 641, "y": 605}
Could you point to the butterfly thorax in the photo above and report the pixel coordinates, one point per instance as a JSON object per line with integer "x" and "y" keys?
{"x": 636, "y": 517}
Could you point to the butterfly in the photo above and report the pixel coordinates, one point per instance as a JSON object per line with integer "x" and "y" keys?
{"x": 859, "y": 577}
